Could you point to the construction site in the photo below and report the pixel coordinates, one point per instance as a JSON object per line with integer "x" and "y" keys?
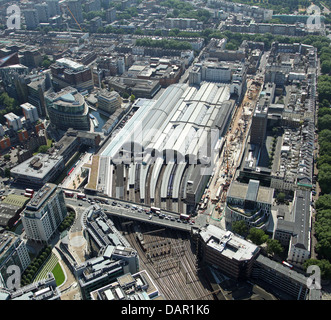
{"x": 214, "y": 197}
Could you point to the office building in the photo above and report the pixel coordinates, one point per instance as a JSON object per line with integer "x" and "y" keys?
{"x": 110, "y": 15}
{"x": 66, "y": 72}
{"x": 113, "y": 255}
{"x": 268, "y": 274}
{"x": 260, "y": 117}
{"x": 31, "y": 19}
{"x": 293, "y": 230}
{"x": 38, "y": 170}
{"x": 45, "y": 289}
{"x": 13, "y": 252}
{"x": 53, "y": 7}
{"x": 231, "y": 254}
{"x": 44, "y": 213}
{"x": 75, "y": 7}
{"x": 13, "y": 121}
{"x": 138, "y": 286}
{"x": 109, "y": 101}
{"x": 30, "y": 112}
{"x": 68, "y": 109}
{"x": 249, "y": 202}
{"x": 43, "y": 12}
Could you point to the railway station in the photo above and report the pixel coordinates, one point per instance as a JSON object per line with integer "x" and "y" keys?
{"x": 166, "y": 152}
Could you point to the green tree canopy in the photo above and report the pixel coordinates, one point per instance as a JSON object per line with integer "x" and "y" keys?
{"x": 323, "y": 264}
{"x": 257, "y": 236}
{"x": 240, "y": 227}
{"x": 274, "y": 246}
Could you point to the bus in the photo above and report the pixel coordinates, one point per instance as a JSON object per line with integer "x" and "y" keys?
{"x": 28, "y": 195}
{"x": 81, "y": 195}
{"x": 184, "y": 216}
{"x": 29, "y": 191}
{"x": 286, "y": 264}
{"x": 68, "y": 194}
{"x": 155, "y": 209}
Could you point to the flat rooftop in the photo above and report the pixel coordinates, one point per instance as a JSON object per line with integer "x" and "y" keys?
{"x": 38, "y": 166}
{"x": 255, "y": 193}
{"x": 70, "y": 64}
{"x": 228, "y": 244}
{"x": 40, "y": 196}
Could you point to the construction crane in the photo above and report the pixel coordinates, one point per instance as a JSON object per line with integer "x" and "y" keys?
{"x": 72, "y": 17}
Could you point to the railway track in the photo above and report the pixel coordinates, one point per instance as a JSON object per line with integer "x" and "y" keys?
{"x": 170, "y": 262}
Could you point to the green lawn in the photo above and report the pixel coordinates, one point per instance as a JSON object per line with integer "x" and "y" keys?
{"x": 58, "y": 274}
{"x": 52, "y": 265}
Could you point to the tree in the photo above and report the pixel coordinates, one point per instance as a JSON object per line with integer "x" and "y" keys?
{"x": 132, "y": 98}
{"x": 6, "y": 157}
{"x": 324, "y": 177}
{"x": 323, "y": 264}
{"x": 43, "y": 149}
{"x": 323, "y": 202}
{"x": 325, "y": 121}
{"x": 281, "y": 197}
{"x": 274, "y": 247}
{"x": 240, "y": 227}
{"x": 257, "y": 236}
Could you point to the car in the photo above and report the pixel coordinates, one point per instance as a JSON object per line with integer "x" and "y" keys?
{"x": 166, "y": 218}
{"x": 172, "y": 219}
{"x": 80, "y": 204}
{"x": 114, "y": 203}
{"x": 150, "y": 217}
{"x": 178, "y": 220}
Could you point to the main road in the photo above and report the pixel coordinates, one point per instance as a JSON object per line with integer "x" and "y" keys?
{"x": 125, "y": 210}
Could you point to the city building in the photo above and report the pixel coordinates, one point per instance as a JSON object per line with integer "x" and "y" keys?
{"x": 38, "y": 170}
{"x": 278, "y": 278}
{"x": 30, "y": 112}
{"x": 10, "y": 209}
{"x": 73, "y": 141}
{"x": 13, "y": 121}
{"x": 44, "y": 213}
{"x": 13, "y": 252}
{"x": 66, "y": 72}
{"x": 53, "y": 7}
{"x": 233, "y": 73}
{"x": 230, "y": 254}
{"x": 293, "y": 230}
{"x": 138, "y": 286}
{"x": 75, "y": 11}
{"x": 67, "y": 109}
{"x": 109, "y": 101}
{"x": 31, "y": 19}
{"x": 249, "y": 202}
{"x": 112, "y": 255}
{"x": 260, "y": 116}
{"x": 43, "y": 12}
{"x": 45, "y": 289}
{"x": 110, "y": 15}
